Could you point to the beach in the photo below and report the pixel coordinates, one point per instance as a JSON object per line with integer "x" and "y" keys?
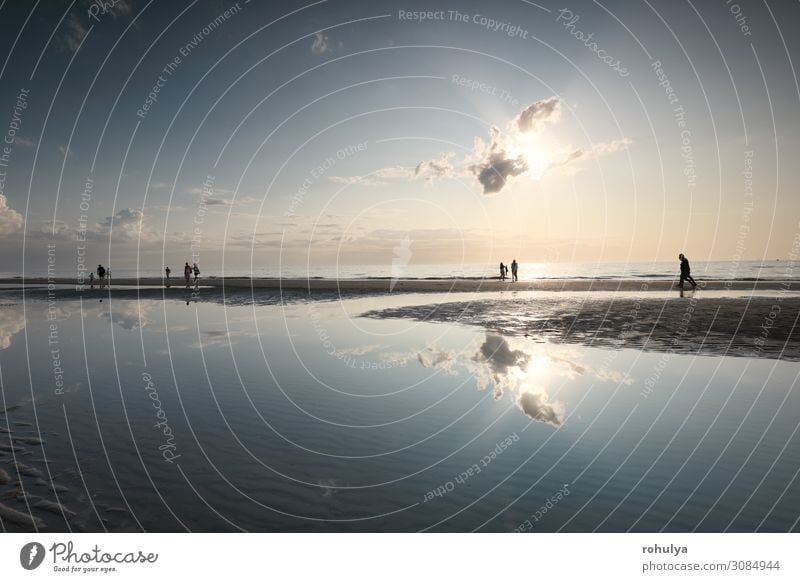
{"x": 735, "y": 318}
{"x": 427, "y": 285}
{"x": 332, "y": 410}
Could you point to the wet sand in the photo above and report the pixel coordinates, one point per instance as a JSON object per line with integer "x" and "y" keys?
{"x": 758, "y": 327}
{"x": 34, "y": 497}
{"x": 422, "y": 285}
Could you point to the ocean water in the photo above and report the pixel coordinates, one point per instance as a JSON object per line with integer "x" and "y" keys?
{"x": 702, "y": 270}
{"x": 163, "y": 416}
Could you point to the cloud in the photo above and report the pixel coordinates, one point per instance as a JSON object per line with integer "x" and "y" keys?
{"x": 539, "y": 113}
{"x": 57, "y": 229}
{"x": 321, "y": 44}
{"x": 123, "y": 217}
{"x": 496, "y": 165}
{"x": 567, "y": 156}
{"x": 127, "y": 225}
{"x": 120, "y": 7}
{"x": 509, "y": 153}
{"x": 220, "y": 197}
{"x": 434, "y": 169}
{"x": 217, "y": 201}
{"x": 72, "y": 34}
{"x": 24, "y": 142}
{"x": 11, "y": 221}
{"x": 378, "y": 177}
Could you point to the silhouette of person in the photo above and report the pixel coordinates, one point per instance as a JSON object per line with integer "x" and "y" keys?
{"x": 187, "y": 273}
{"x": 101, "y": 274}
{"x": 502, "y": 272}
{"x": 196, "y": 272}
{"x": 167, "y": 272}
{"x": 514, "y": 267}
{"x": 91, "y": 280}
{"x": 685, "y": 272}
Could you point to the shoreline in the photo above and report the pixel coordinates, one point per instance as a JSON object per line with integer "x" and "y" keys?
{"x": 743, "y": 318}
{"x": 415, "y": 285}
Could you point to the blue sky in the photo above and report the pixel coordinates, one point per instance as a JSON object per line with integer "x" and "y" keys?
{"x": 317, "y": 132}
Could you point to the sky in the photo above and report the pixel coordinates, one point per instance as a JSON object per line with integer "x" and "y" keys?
{"x": 255, "y": 135}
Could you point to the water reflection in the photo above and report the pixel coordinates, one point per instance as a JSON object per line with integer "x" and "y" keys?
{"x": 128, "y": 315}
{"x": 11, "y": 323}
{"x": 294, "y": 423}
{"x": 514, "y": 366}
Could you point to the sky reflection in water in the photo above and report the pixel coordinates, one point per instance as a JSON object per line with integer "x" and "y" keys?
{"x": 307, "y": 417}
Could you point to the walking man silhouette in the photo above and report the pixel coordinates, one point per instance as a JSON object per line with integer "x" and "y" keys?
{"x": 685, "y": 272}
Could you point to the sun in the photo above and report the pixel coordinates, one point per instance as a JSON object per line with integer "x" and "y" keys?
{"x": 535, "y": 155}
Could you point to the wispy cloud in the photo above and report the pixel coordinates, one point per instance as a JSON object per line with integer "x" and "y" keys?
{"x": 220, "y": 197}
{"x": 321, "y": 44}
{"x": 24, "y": 142}
{"x": 71, "y": 34}
{"x": 378, "y": 177}
{"x": 563, "y": 164}
{"x": 435, "y": 169}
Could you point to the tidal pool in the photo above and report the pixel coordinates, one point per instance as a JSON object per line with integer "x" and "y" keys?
{"x": 156, "y": 415}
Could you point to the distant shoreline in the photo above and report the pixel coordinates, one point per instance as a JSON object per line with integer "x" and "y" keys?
{"x": 389, "y": 285}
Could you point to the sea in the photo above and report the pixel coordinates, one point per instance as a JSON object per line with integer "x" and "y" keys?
{"x": 777, "y": 270}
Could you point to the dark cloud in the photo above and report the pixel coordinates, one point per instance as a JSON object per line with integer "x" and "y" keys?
{"x": 536, "y": 115}
{"x": 496, "y": 166}
{"x": 217, "y": 202}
